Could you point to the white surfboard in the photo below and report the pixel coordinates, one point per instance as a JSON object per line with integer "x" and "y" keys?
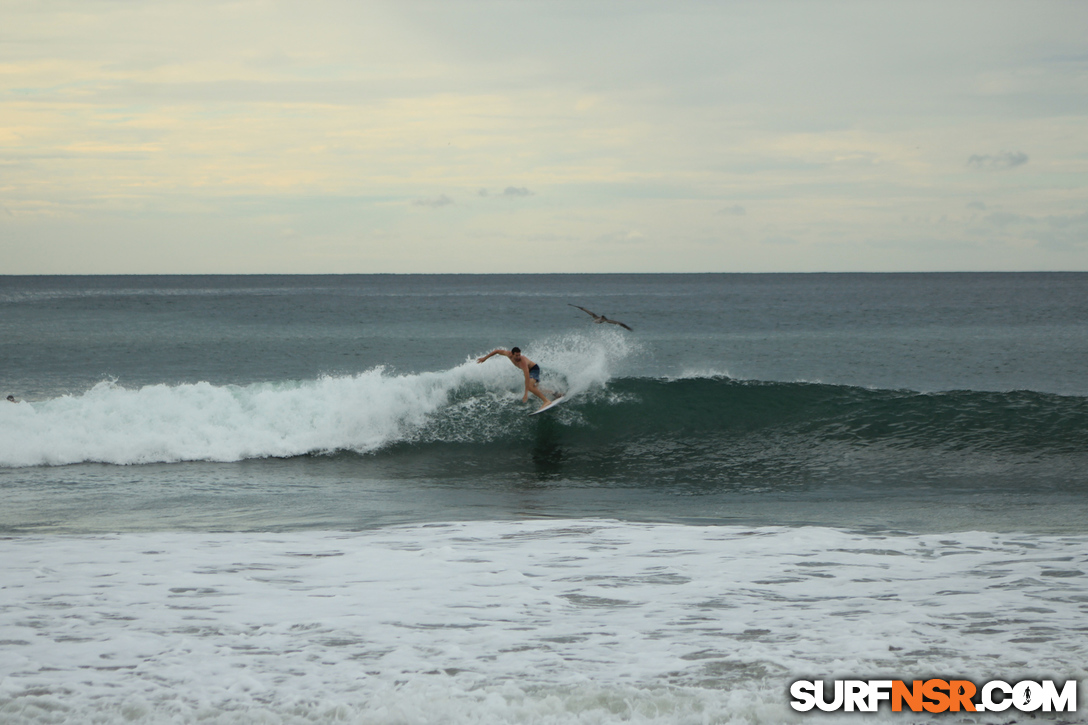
{"x": 552, "y": 404}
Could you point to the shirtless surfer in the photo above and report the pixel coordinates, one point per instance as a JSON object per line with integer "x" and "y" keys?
{"x": 530, "y": 369}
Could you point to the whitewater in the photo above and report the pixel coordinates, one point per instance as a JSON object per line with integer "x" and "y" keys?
{"x": 361, "y": 413}
{"x": 526, "y": 622}
{"x": 201, "y": 421}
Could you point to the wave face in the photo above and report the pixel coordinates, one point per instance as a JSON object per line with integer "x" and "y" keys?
{"x": 1011, "y": 421}
{"x": 695, "y": 429}
{"x": 706, "y": 434}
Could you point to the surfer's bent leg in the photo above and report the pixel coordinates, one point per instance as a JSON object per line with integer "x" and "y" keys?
{"x": 534, "y": 378}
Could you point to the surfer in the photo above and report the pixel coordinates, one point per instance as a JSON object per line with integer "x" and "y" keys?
{"x": 11, "y": 398}
{"x": 529, "y": 368}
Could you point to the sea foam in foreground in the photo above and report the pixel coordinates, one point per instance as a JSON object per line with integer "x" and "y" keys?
{"x": 529, "y": 622}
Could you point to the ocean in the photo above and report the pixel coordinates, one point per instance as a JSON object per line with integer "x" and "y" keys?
{"x": 300, "y": 499}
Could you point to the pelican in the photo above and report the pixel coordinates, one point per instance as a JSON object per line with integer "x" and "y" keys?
{"x": 601, "y": 318}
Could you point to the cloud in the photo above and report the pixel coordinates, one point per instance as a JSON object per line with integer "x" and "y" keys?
{"x": 1064, "y": 233}
{"x": 1003, "y": 219}
{"x": 509, "y": 192}
{"x": 551, "y": 238}
{"x": 434, "y": 202}
{"x": 1075, "y": 221}
{"x": 639, "y": 117}
{"x": 630, "y": 236}
{"x": 998, "y": 162}
{"x": 1067, "y": 233}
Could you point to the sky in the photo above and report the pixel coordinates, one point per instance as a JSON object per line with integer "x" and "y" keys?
{"x": 257, "y": 136}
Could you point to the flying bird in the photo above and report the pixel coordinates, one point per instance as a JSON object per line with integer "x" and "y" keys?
{"x": 601, "y": 318}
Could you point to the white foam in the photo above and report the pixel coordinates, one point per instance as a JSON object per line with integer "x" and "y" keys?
{"x": 110, "y": 423}
{"x": 166, "y": 423}
{"x": 584, "y": 362}
{"x": 525, "y": 622}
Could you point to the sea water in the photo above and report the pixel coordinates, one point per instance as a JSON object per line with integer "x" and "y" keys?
{"x": 301, "y": 500}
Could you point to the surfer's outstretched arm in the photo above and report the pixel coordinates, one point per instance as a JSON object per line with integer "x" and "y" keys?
{"x": 493, "y": 352}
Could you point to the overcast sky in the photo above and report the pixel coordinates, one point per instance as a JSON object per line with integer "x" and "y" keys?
{"x": 520, "y": 136}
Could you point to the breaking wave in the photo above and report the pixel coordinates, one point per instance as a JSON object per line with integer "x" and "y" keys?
{"x": 479, "y": 405}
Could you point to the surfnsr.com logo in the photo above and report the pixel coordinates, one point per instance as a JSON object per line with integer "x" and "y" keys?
{"x": 935, "y": 696}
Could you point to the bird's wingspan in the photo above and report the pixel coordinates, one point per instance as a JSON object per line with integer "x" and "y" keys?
{"x": 600, "y": 318}
{"x": 594, "y": 315}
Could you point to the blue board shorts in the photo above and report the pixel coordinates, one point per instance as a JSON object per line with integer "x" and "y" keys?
{"x": 534, "y": 373}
